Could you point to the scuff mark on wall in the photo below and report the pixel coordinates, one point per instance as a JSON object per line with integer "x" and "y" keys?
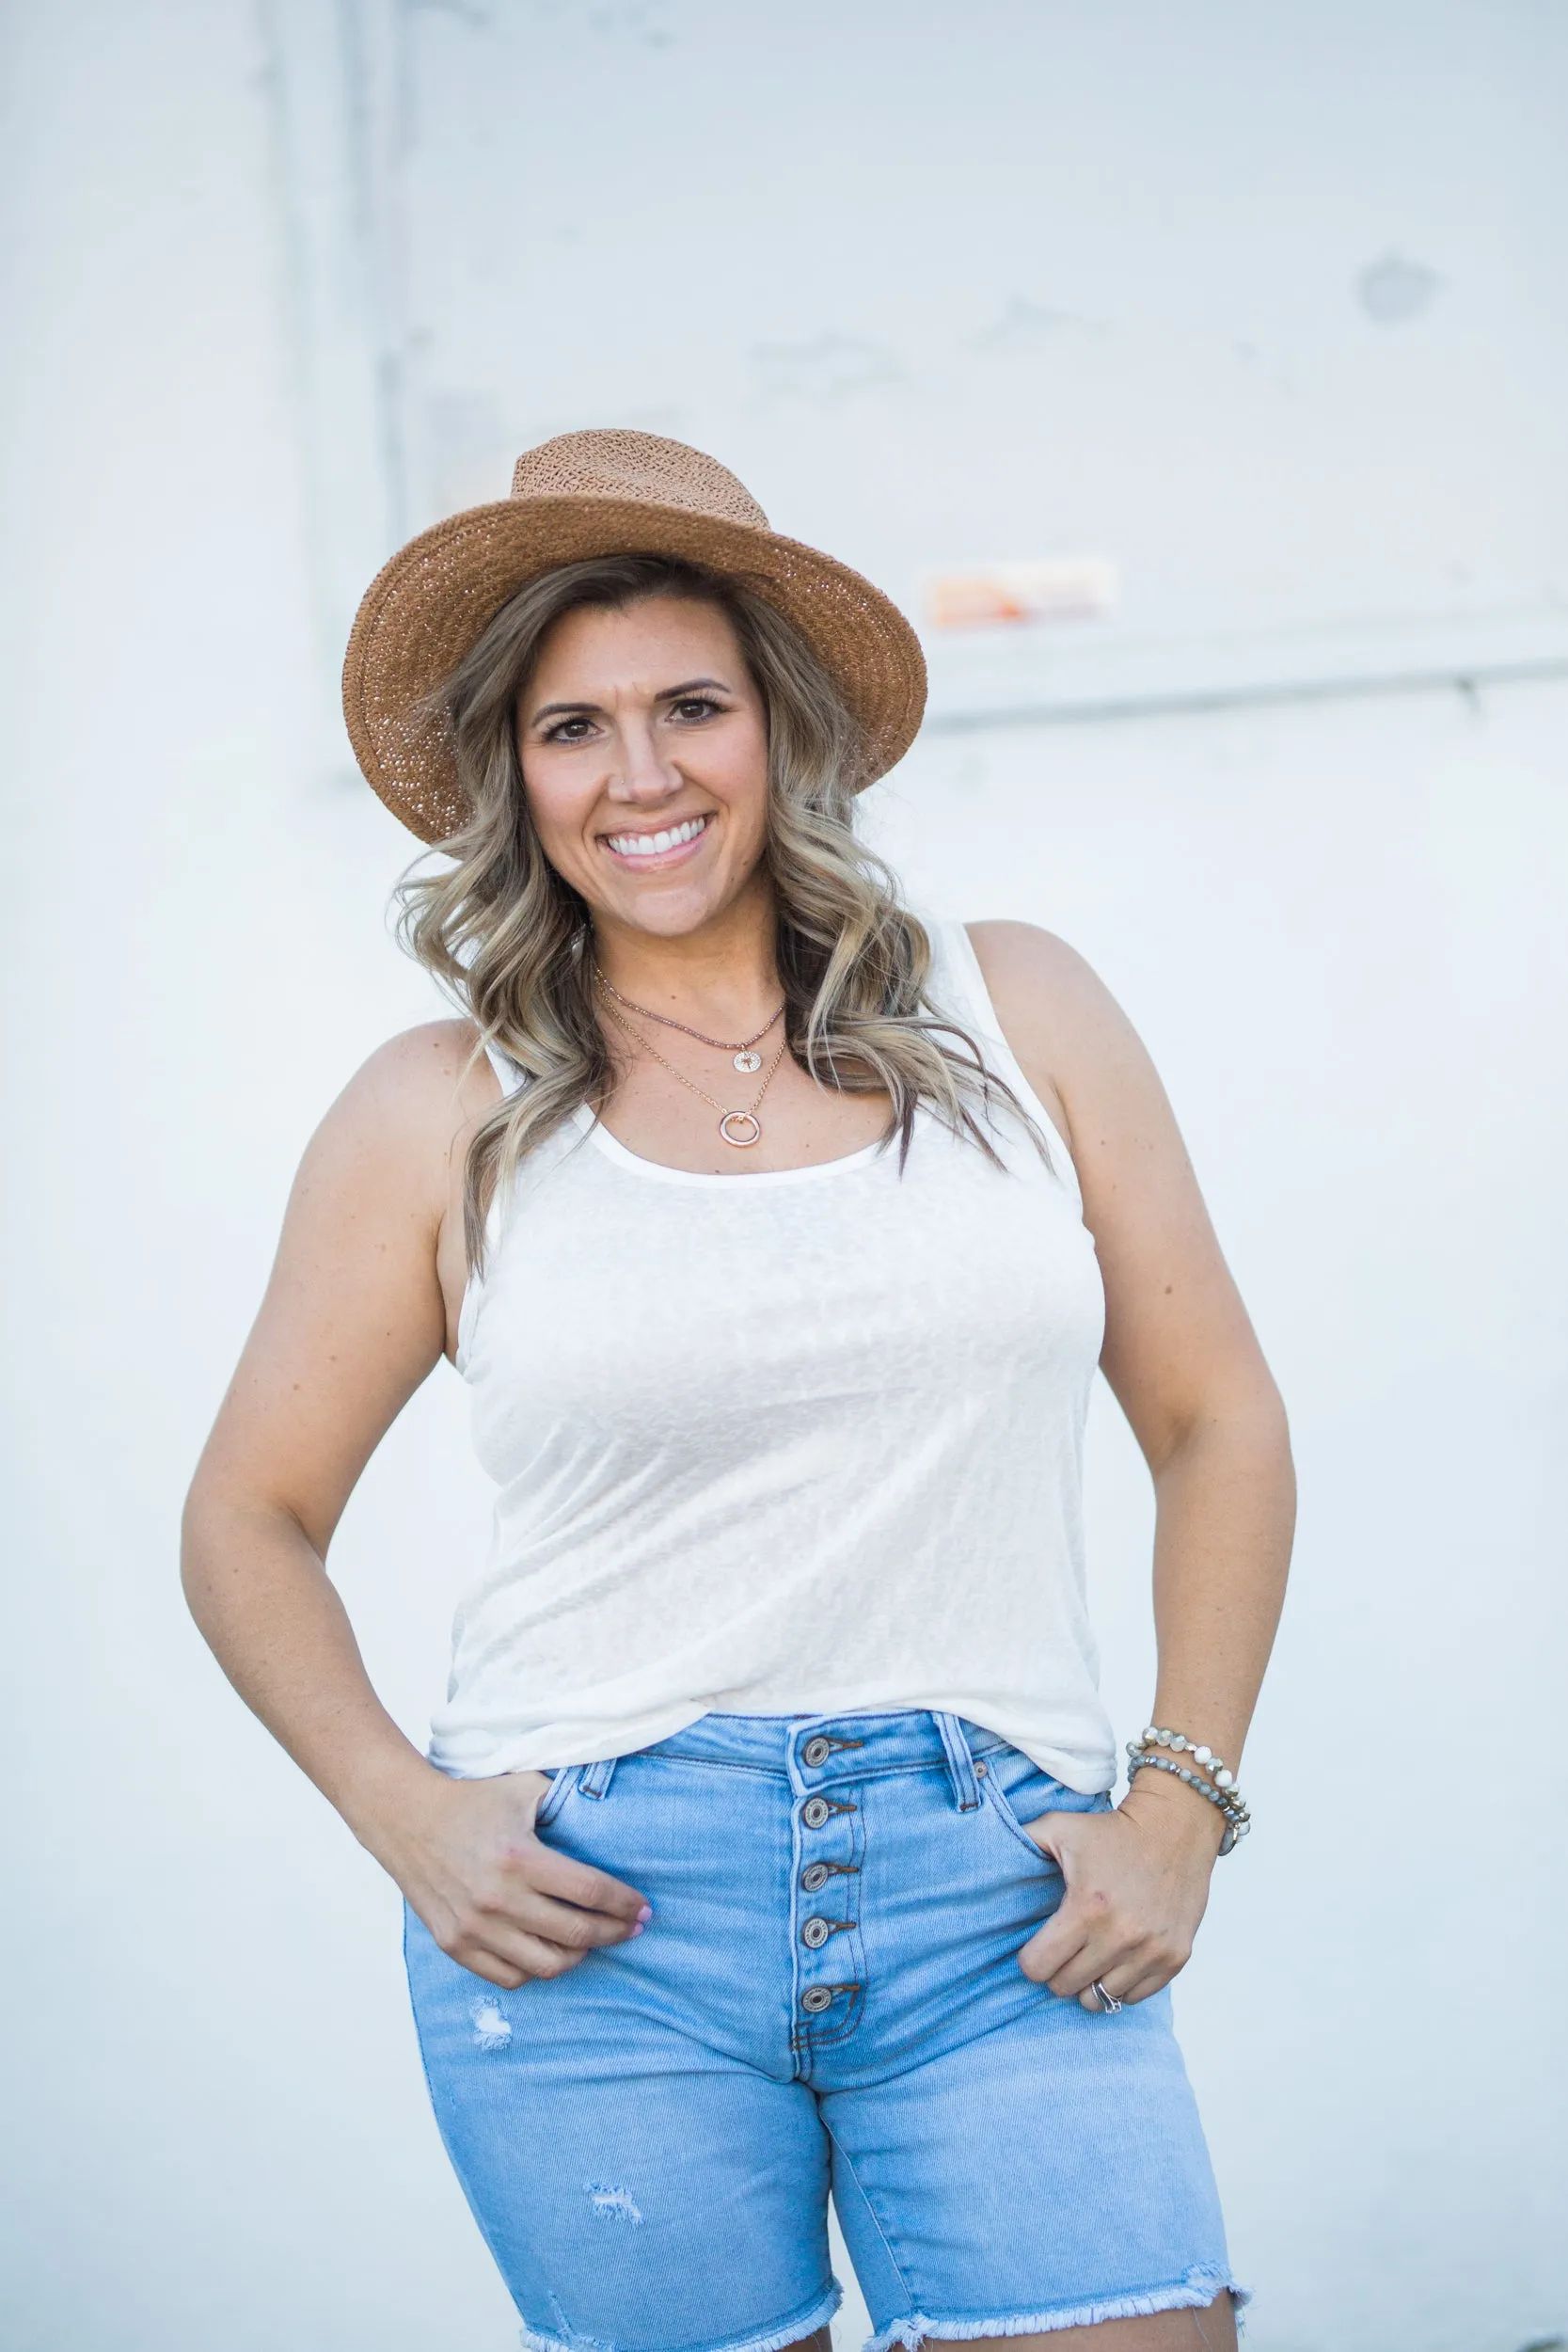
{"x": 1393, "y": 290}
{"x": 1026, "y": 326}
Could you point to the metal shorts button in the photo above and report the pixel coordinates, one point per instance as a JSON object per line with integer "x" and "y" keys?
{"x": 816, "y": 1932}
{"x": 815, "y": 1999}
{"x": 815, "y": 1874}
{"x": 816, "y": 1811}
{"x": 816, "y": 1751}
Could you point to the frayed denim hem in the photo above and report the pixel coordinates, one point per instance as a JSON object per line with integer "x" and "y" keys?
{"x": 1193, "y": 2293}
{"x": 804, "y": 2323}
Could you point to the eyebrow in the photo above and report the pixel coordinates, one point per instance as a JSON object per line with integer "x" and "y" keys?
{"x": 668, "y": 695}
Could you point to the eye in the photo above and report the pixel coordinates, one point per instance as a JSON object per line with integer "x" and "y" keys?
{"x": 569, "y": 731}
{"x": 693, "y": 708}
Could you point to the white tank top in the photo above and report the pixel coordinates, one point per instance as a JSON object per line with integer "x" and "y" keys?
{"x": 801, "y": 1442}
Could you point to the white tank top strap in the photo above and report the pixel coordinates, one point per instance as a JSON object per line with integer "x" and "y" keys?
{"x": 959, "y": 987}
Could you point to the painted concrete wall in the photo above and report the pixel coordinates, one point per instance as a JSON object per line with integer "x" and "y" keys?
{"x": 1339, "y": 929}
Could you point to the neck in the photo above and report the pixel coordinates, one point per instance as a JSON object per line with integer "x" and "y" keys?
{"x": 725, "y": 976}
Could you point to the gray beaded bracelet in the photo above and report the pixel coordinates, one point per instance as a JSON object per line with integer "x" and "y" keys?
{"x": 1225, "y": 1796}
{"x": 1237, "y": 1823}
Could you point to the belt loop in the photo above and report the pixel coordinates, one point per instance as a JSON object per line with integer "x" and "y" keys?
{"x": 596, "y": 1778}
{"x": 960, "y": 1764}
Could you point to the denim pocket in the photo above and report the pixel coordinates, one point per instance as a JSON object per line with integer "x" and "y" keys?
{"x": 562, "y": 1781}
{"x": 1017, "y": 1791}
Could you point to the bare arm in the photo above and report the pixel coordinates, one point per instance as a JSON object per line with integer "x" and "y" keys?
{"x": 1183, "y": 1361}
{"x": 354, "y": 1319}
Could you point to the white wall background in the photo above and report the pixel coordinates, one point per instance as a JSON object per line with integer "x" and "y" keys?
{"x": 789, "y": 234}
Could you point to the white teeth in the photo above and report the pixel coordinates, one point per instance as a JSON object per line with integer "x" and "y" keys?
{"x": 650, "y": 844}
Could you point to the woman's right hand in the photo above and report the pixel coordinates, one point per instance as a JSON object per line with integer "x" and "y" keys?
{"x": 495, "y": 1899}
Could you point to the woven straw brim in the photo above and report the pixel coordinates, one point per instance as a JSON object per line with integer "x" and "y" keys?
{"x": 430, "y": 604}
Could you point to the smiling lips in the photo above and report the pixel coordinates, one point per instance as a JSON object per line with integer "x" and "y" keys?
{"x": 644, "y": 846}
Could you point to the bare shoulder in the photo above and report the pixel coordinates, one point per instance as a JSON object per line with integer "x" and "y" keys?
{"x": 1056, "y": 1011}
{"x": 1022, "y": 961}
{"x": 437, "y": 1070}
{"x": 409, "y": 1107}
{"x": 357, "y": 1310}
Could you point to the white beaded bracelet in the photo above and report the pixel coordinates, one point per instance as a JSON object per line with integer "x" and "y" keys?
{"x": 1213, "y": 1764}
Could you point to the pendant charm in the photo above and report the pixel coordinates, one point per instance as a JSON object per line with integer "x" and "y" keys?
{"x": 742, "y": 1120}
{"x": 744, "y": 1060}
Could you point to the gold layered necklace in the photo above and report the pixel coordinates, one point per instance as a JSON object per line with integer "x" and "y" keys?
{"x": 741, "y": 1048}
{"x": 740, "y": 1129}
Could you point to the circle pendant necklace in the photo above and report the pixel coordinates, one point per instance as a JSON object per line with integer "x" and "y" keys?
{"x": 740, "y": 1129}
{"x": 744, "y": 1059}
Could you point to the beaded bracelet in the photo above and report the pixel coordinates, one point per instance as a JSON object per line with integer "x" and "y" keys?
{"x": 1154, "y": 1738}
{"x": 1225, "y": 1795}
{"x": 1214, "y": 1767}
{"x": 1237, "y": 1823}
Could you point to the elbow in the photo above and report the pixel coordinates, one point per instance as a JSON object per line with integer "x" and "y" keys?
{"x": 199, "y": 1543}
{"x": 232, "y": 1534}
{"x": 217, "y": 1531}
{"x": 1247, "y": 1423}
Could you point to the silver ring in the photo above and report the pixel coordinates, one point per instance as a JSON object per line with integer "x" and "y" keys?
{"x": 1108, "y": 2001}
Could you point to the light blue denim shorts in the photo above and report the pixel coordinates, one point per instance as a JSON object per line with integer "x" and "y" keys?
{"x": 827, "y": 2000}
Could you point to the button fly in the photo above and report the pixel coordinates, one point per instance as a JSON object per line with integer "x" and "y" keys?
{"x": 816, "y": 1751}
{"x": 816, "y": 1874}
{"x": 815, "y": 1999}
{"x": 816, "y": 1811}
{"x": 816, "y": 1932}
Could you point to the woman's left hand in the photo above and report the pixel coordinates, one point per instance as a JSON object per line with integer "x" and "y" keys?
{"x": 1137, "y": 1886}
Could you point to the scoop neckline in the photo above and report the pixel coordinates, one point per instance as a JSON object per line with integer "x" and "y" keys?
{"x": 619, "y": 1156}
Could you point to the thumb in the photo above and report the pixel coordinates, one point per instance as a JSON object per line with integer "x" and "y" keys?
{"x": 1054, "y": 1833}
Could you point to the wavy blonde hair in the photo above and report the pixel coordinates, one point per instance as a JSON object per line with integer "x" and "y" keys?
{"x": 510, "y": 941}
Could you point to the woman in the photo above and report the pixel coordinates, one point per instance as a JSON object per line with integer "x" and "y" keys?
{"x": 765, "y": 1843}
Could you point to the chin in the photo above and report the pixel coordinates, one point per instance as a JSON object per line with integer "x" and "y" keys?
{"x": 667, "y": 913}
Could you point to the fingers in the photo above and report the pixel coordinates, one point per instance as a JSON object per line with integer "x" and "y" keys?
{"x": 571, "y": 1904}
{"x": 529, "y": 1932}
{"x": 512, "y": 1944}
{"x": 1052, "y": 1832}
{"x": 1129, "y": 1968}
{"x": 1120, "y": 1923}
{"x": 508, "y": 1928}
{"x": 1079, "y": 1926}
{"x": 578, "y": 1884}
{"x": 496, "y": 1846}
{"x": 507, "y": 1953}
{"x": 502, "y": 1903}
{"x": 528, "y": 1957}
{"x": 1124, "y": 1987}
{"x": 1127, "y": 1984}
{"x": 565, "y": 1924}
{"x": 1130, "y": 1963}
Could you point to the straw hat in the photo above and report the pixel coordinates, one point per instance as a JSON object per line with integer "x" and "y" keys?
{"x": 603, "y": 493}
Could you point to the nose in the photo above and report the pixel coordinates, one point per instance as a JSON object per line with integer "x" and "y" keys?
{"x": 644, "y": 778}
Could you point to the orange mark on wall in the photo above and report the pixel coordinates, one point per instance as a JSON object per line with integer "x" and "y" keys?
{"x": 993, "y": 595}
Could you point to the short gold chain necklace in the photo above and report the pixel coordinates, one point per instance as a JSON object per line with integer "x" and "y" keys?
{"x": 741, "y": 1049}
{"x": 742, "y": 1120}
